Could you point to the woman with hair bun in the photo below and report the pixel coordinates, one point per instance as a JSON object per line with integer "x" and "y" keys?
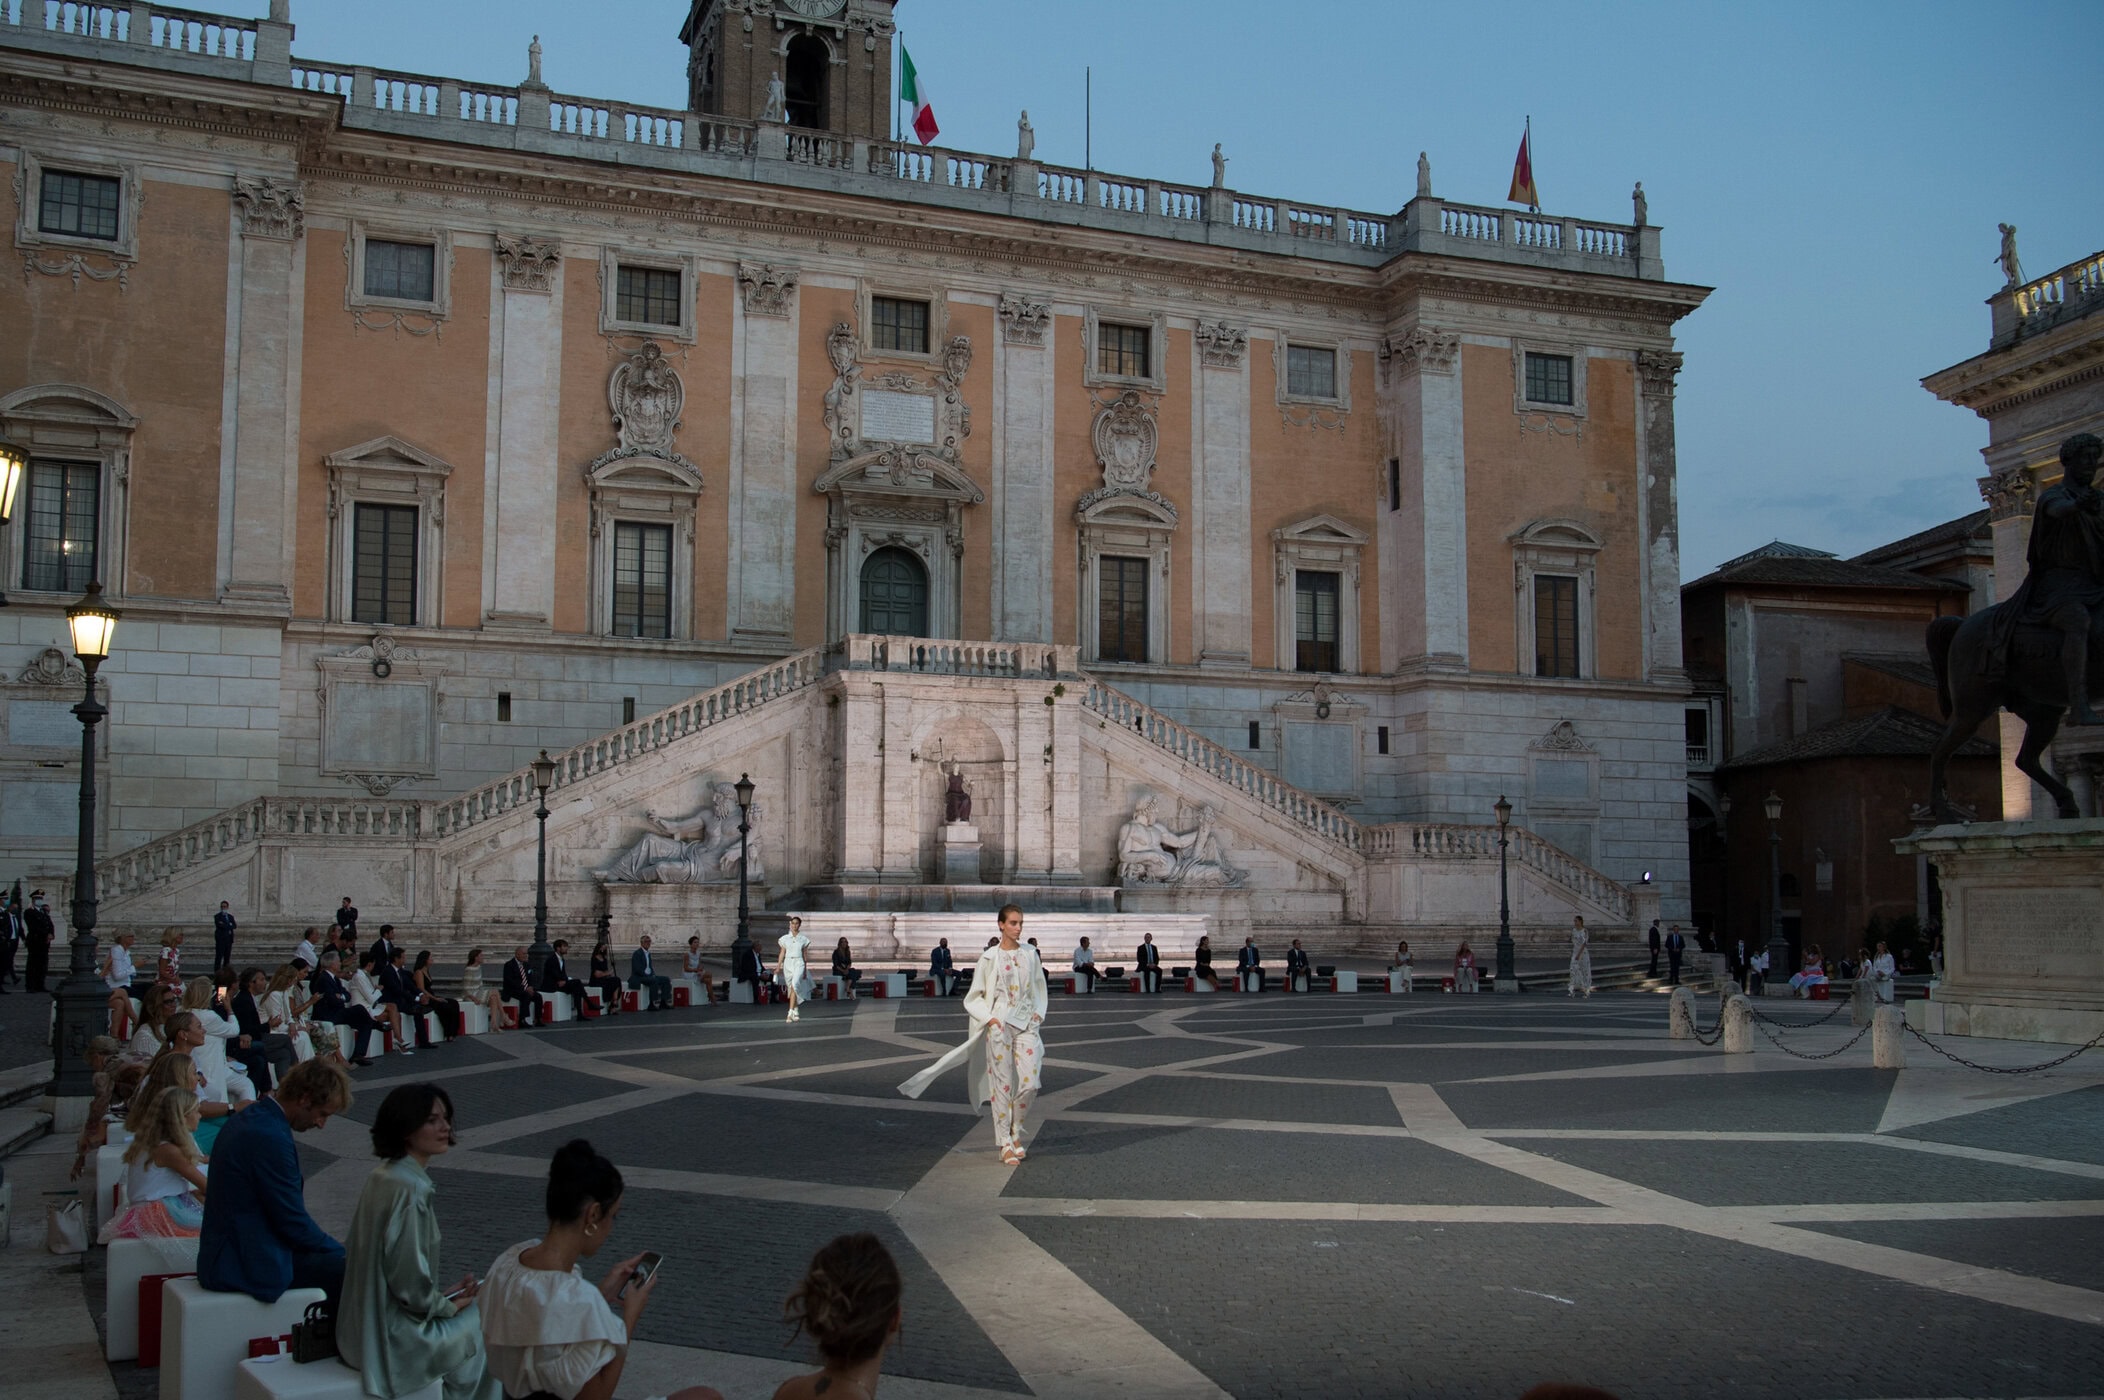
{"x": 849, "y": 1303}
{"x": 547, "y": 1330}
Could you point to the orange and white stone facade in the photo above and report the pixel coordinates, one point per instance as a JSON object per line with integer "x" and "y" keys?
{"x": 1289, "y": 433}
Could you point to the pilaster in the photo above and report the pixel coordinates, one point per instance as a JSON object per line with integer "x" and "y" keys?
{"x": 1023, "y": 472}
{"x": 761, "y": 583}
{"x": 257, "y": 566}
{"x": 1659, "y": 513}
{"x": 1220, "y": 567}
{"x": 1426, "y": 365}
{"x": 521, "y": 466}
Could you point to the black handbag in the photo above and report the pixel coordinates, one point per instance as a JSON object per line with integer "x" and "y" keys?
{"x": 314, "y": 1337}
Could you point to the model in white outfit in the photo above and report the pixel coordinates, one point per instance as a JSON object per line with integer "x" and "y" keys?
{"x": 1883, "y": 969}
{"x": 1006, "y": 1004}
{"x": 789, "y": 962}
{"x": 1581, "y": 959}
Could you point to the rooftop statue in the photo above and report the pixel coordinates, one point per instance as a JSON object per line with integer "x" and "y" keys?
{"x": 777, "y": 100}
{"x": 2040, "y": 654}
{"x": 1025, "y": 137}
{"x": 2012, "y": 270}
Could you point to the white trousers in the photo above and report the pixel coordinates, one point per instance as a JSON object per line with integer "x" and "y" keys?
{"x": 1015, "y": 1063}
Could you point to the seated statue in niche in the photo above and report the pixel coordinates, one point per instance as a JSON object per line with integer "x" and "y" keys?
{"x": 701, "y": 849}
{"x": 1152, "y": 853}
{"x": 956, "y": 802}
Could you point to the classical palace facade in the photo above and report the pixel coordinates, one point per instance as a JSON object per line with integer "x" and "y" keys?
{"x": 418, "y": 426}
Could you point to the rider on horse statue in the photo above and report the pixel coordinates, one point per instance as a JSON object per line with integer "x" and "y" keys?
{"x": 2065, "y": 587}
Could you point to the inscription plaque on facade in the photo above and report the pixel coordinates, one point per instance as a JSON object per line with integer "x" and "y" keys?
{"x": 2034, "y": 933}
{"x": 889, "y": 416}
{"x": 33, "y": 810}
{"x": 47, "y": 724}
{"x": 1319, "y": 757}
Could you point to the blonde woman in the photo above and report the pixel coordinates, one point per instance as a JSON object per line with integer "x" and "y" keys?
{"x": 472, "y": 989}
{"x": 151, "y": 1036}
{"x": 285, "y": 1006}
{"x": 171, "y": 958}
{"x": 164, "y": 1174}
{"x": 222, "y": 1080}
{"x": 789, "y": 961}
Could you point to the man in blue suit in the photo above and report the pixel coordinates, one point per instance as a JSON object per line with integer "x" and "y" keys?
{"x": 257, "y": 1236}
{"x": 644, "y": 978}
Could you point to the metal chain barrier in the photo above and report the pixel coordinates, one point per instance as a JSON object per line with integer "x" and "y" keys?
{"x": 1839, "y": 1007}
{"x": 2005, "y": 1069}
{"x": 1712, "y": 1037}
{"x": 1827, "y": 1055}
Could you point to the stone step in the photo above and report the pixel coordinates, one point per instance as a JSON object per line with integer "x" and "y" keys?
{"x": 21, "y": 1125}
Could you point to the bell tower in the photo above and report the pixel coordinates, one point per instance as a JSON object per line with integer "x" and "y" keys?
{"x": 831, "y": 58}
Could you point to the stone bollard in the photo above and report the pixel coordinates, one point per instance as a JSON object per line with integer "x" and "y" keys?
{"x": 1738, "y": 1027}
{"x": 1888, "y": 1038}
{"x": 1861, "y": 1002}
{"x": 1680, "y": 1015}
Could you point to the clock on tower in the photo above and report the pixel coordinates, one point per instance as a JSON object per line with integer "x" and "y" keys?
{"x": 832, "y": 57}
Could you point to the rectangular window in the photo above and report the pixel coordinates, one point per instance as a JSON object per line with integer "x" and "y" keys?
{"x": 642, "y": 580}
{"x": 1314, "y": 621}
{"x": 1380, "y": 739}
{"x": 1395, "y": 483}
{"x": 897, "y": 324}
{"x": 1555, "y": 626}
{"x": 60, "y": 543}
{"x": 1698, "y": 737}
{"x": 1122, "y": 350}
{"x": 1121, "y": 617}
{"x": 1548, "y": 378}
{"x": 383, "y": 565}
{"x": 401, "y": 271}
{"x": 647, "y": 296}
{"x": 1256, "y": 734}
{"x": 628, "y": 709}
{"x": 84, "y": 206}
{"x": 1311, "y": 373}
{"x": 504, "y": 707}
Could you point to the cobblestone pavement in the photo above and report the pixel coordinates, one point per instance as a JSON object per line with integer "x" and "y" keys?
{"x": 1334, "y": 1196}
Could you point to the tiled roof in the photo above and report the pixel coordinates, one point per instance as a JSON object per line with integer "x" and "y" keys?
{"x": 1905, "y": 665}
{"x": 1965, "y": 529}
{"x": 1888, "y": 733}
{"x": 1816, "y": 571}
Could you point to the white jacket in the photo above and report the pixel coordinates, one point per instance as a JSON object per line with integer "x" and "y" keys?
{"x": 980, "y": 1007}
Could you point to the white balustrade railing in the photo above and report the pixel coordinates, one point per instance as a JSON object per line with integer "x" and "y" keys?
{"x": 1319, "y": 224}
{"x": 189, "y": 31}
{"x": 825, "y": 152}
{"x": 1602, "y": 241}
{"x": 1455, "y": 841}
{"x": 1121, "y": 195}
{"x": 1259, "y": 216}
{"x": 1537, "y": 233}
{"x": 330, "y": 82}
{"x": 325, "y": 819}
{"x": 1265, "y": 787}
{"x": 1485, "y": 225}
{"x": 1365, "y": 232}
{"x": 1062, "y": 186}
{"x": 401, "y": 92}
{"x": 925, "y": 656}
{"x": 2046, "y": 298}
{"x": 1182, "y": 204}
{"x": 574, "y": 117}
{"x": 496, "y": 106}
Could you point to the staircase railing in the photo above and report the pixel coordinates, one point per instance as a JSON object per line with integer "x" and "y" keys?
{"x": 1310, "y": 813}
{"x": 255, "y": 820}
{"x": 1454, "y": 841}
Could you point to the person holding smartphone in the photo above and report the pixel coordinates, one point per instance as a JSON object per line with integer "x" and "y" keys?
{"x": 550, "y": 1331}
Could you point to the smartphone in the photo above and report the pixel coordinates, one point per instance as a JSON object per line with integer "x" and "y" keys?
{"x": 454, "y": 1294}
{"x": 645, "y": 1269}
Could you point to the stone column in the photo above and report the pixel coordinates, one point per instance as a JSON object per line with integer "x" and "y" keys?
{"x": 2009, "y": 493}
{"x": 862, "y": 758}
{"x": 1425, "y": 364}
{"x": 1022, "y": 471}
{"x": 1659, "y": 513}
{"x": 260, "y": 485}
{"x": 521, "y": 463}
{"x": 1220, "y": 562}
{"x": 761, "y": 584}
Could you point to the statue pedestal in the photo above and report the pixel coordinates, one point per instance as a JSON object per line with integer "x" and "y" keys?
{"x": 959, "y": 842}
{"x": 2023, "y": 930}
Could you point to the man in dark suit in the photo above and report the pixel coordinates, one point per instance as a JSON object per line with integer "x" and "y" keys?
{"x": 347, "y": 917}
{"x": 383, "y": 949}
{"x": 1675, "y": 946}
{"x": 36, "y": 919}
{"x": 555, "y": 972}
{"x": 223, "y": 937}
{"x": 333, "y": 1004}
{"x": 646, "y": 979}
{"x": 257, "y": 1237}
{"x": 1250, "y": 960}
{"x": 398, "y": 990}
{"x": 942, "y": 968}
{"x": 518, "y": 988}
{"x": 1150, "y": 964}
{"x": 11, "y": 931}
{"x": 267, "y": 1056}
{"x": 1297, "y": 969}
{"x": 1656, "y": 944}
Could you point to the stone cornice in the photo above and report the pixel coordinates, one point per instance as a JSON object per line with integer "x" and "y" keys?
{"x": 182, "y": 100}
{"x": 1992, "y": 383}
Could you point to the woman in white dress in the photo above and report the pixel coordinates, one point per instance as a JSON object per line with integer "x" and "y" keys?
{"x": 1883, "y": 969}
{"x": 222, "y": 1080}
{"x": 789, "y": 962}
{"x": 284, "y": 1007}
{"x": 473, "y": 989}
{"x": 1006, "y": 1004}
{"x": 1581, "y": 959}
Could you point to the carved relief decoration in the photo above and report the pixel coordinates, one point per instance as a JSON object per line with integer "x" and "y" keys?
{"x": 1657, "y": 369}
{"x": 1126, "y": 437}
{"x": 271, "y": 208}
{"x": 767, "y": 288}
{"x": 1564, "y": 738}
{"x": 2009, "y": 494}
{"x": 1220, "y": 346}
{"x": 646, "y": 397}
{"x": 1024, "y": 322}
{"x": 1310, "y": 416}
{"x": 529, "y": 263}
{"x": 909, "y": 467}
{"x": 52, "y": 667}
{"x": 1422, "y": 348}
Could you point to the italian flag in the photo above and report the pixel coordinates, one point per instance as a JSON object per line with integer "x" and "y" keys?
{"x": 913, "y": 94}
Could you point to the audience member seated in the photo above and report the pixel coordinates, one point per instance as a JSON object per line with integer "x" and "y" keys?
{"x": 942, "y": 968}
{"x": 698, "y": 974}
{"x": 306, "y": 951}
{"x": 151, "y": 1037}
{"x": 601, "y": 974}
{"x": 548, "y": 1331}
{"x": 1203, "y": 962}
{"x": 398, "y": 990}
{"x": 290, "y": 1002}
{"x": 168, "y": 970}
{"x": 447, "y": 1009}
{"x": 1297, "y": 970}
{"x": 368, "y": 997}
{"x": 101, "y": 1058}
{"x": 264, "y": 1048}
{"x": 473, "y": 989}
{"x": 334, "y": 1005}
{"x": 1404, "y": 963}
{"x": 1250, "y": 959}
{"x": 118, "y": 973}
{"x": 850, "y": 1303}
{"x": 164, "y": 1175}
{"x": 208, "y": 1047}
{"x": 844, "y": 964}
{"x": 176, "y": 1069}
{"x": 555, "y": 972}
{"x": 655, "y": 987}
{"x": 397, "y": 1324}
{"x": 518, "y": 987}
{"x": 1149, "y": 960}
{"x": 1812, "y": 974}
{"x": 1464, "y": 968}
{"x": 1085, "y": 965}
{"x": 257, "y": 1237}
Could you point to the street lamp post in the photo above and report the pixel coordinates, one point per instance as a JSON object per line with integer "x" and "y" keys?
{"x": 1778, "y": 947}
{"x": 13, "y": 463}
{"x": 82, "y": 999}
{"x": 1508, "y": 978}
{"x": 543, "y": 779}
{"x": 742, "y": 944}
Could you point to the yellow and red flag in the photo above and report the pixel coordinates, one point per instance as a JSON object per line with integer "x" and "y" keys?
{"x": 1523, "y": 191}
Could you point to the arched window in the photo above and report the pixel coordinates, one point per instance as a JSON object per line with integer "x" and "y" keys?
{"x": 804, "y": 84}
{"x": 894, "y": 594}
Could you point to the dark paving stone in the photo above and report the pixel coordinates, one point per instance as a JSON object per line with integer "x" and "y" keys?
{"x": 1825, "y": 1101}
{"x": 2069, "y": 1126}
{"x": 656, "y": 1032}
{"x": 728, "y": 1265}
{"x": 481, "y": 1099}
{"x": 1795, "y": 1173}
{"x": 1070, "y": 1033}
{"x": 765, "y": 1137}
{"x": 1149, "y": 1052}
{"x": 1227, "y": 1098}
{"x": 701, "y": 1062}
{"x": 882, "y": 1082}
{"x": 2063, "y": 1250}
{"x": 1402, "y": 1065}
{"x": 1293, "y": 1309}
{"x": 1095, "y": 1160}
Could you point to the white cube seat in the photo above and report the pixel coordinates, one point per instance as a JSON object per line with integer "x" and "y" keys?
{"x": 1345, "y": 981}
{"x": 1399, "y": 979}
{"x": 282, "y": 1378}
{"x": 1197, "y": 984}
{"x": 558, "y": 1006}
{"x": 742, "y": 991}
{"x": 108, "y": 1193}
{"x": 474, "y": 1018}
{"x": 129, "y": 1261}
{"x": 205, "y": 1335}
{"x": 434, "y": 1029}
{"x": 1245, "y": 980}
{"x": 888, "y": 984}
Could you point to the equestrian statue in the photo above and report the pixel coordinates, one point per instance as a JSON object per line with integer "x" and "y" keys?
{"x": 2040, "y": 654}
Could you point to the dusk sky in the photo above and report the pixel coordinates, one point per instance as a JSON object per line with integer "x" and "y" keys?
{"x": 1834, "y": 171}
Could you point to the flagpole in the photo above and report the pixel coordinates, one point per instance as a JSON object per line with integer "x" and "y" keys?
{"x": 1536, "y": 186}
{"x": 898, "y": 49}
{"x": 1088, "y": 118}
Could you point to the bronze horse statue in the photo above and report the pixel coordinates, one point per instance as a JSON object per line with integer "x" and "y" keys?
{"x": 2032, "y": 686}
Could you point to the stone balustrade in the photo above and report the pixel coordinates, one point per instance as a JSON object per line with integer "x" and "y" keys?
{"x": 264, "y": 818}
{"x": 932, "y": 657}
{"x": 1454, "y": 841}
{"x": 531, "y": 118}
{"x": 2060, "y": 295}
